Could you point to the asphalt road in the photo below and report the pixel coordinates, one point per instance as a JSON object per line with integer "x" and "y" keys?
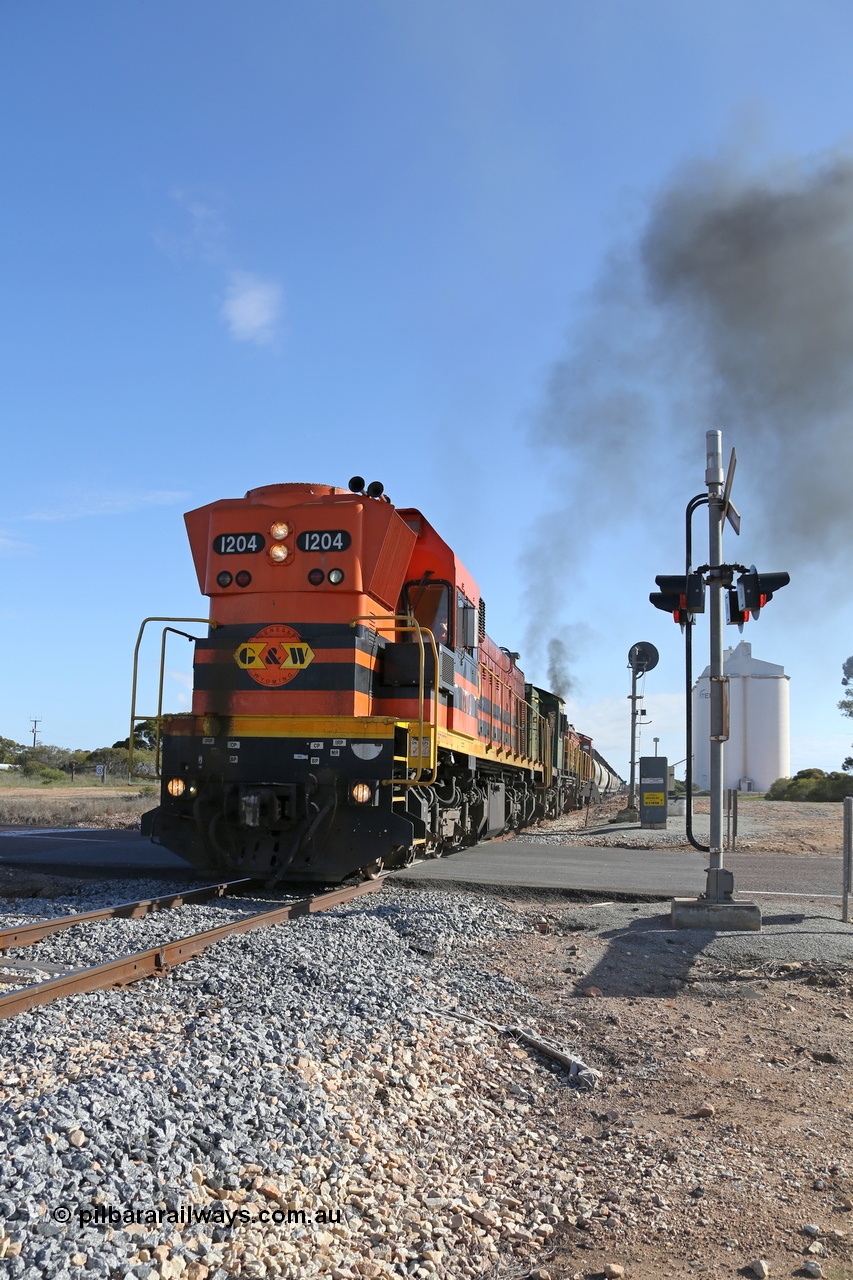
{"x": 525, "y": 864}
{"x": 667, "y": 873}
{"x": 89, "y": 854}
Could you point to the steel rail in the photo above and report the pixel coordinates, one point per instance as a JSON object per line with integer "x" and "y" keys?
{"x": 157, "y": 961}
{"x": 24, "y": 935}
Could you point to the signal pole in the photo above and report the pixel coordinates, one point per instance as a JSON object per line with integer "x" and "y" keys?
{"x": 716, "y": 908}
{"x": 684, "y": 597}
{"x": 632, "y": 780}
{"x": 35, "y": 723}
{"x": 720, "y": 884}
{"x": 642, "y": 657}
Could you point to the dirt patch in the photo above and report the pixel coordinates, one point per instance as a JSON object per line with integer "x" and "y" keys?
{"x": 764, "y": 826}
{"x": 720, "y": 1132}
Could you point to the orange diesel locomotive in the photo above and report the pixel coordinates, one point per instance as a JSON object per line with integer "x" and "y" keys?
{"x": 349, "y": 711}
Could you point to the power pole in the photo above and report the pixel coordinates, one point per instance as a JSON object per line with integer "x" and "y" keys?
{"x": 35, "y": 724}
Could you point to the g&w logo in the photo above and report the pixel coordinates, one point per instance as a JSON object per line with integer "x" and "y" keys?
{"x": 275, "y": 655}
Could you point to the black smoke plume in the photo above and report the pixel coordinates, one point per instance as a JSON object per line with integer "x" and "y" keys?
{"x": 731, "y": 307}
{"x": 560, "y": 680}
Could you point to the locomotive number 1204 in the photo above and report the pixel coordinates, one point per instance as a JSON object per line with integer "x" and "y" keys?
{"x": 323, "y": 540}
{"x": 233, "y": 544}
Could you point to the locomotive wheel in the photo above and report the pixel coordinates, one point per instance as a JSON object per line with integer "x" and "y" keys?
{"x": 372, "y": 871}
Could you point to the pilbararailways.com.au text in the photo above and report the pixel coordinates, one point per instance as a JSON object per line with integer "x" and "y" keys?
{"x": 190, "y": 1215}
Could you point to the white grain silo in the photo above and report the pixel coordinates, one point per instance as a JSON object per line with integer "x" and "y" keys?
{"x": 759, "y": 747}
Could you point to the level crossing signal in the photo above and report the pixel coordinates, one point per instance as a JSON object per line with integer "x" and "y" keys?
{"x": 754, "y": 589}
{"x": 682, "y": 595}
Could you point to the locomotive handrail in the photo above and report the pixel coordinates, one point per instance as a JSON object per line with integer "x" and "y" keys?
{"x": 158, "y": 719}
{"x": 404, "y": 622}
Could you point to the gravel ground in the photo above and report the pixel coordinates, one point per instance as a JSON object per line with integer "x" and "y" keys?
{"x": 314, "y": 1100}
{"x": 285, "y": 1069}
{"x": 763, "y": 826}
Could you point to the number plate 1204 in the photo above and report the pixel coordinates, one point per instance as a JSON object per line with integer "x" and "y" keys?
{"x": 238, "y": 544}
{"x": 323, "y": 540}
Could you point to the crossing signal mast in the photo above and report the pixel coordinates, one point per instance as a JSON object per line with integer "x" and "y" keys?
{"x": 684, "y": 597}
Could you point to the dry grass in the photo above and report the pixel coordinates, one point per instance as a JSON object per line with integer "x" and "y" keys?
{"x": 59, "y": 806}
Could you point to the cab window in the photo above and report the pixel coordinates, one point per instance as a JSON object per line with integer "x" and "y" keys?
{"x": 429, "y": 603}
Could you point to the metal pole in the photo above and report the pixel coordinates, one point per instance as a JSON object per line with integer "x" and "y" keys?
{"x": 719, "y": 883}
{"x": 632, "y": 785}
{"x": 848, "y": 858}
{"x": 728, "y": 800}
{"x": 693, "y": 505}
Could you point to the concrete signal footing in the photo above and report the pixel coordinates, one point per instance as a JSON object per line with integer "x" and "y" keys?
{"x": 702, "y": 913}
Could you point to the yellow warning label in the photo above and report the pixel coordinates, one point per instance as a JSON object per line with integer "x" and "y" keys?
{"x": 653, "y": 797}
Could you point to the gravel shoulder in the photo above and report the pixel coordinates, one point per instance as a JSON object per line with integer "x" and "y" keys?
{"x": 763, "y": 826}
{"x": 345, "y": 1096}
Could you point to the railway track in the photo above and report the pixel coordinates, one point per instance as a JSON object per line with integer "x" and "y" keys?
{"x": 153, "y": 962}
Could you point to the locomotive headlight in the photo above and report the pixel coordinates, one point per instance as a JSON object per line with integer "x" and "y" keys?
{"x": 280, "y": 529}
{"x": 336, "y": 576}
{"x": 279, "y": 553}
{"x": 361, "y": 792}
{"x": 176, "y": 787}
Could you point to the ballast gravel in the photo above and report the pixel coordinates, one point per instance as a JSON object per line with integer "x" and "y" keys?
{"x": 255, "y": 1112}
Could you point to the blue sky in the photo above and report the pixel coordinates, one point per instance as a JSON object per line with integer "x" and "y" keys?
{"x": 273, "y": 241}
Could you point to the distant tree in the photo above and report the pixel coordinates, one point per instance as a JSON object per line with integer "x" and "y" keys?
{"x": 114, "y": 759}
{"x": 812, "y": 784}
{"x": 144, "y": 737}
{"x": 10, "y": 751}
{"x": 45, "y": 756}
{"x": 54, "y": 764}
{"x": 846, "y": 703}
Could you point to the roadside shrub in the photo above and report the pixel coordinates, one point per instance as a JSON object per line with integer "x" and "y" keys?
{"x": 46, "y": 775}
{"x": 812, "y": 784}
